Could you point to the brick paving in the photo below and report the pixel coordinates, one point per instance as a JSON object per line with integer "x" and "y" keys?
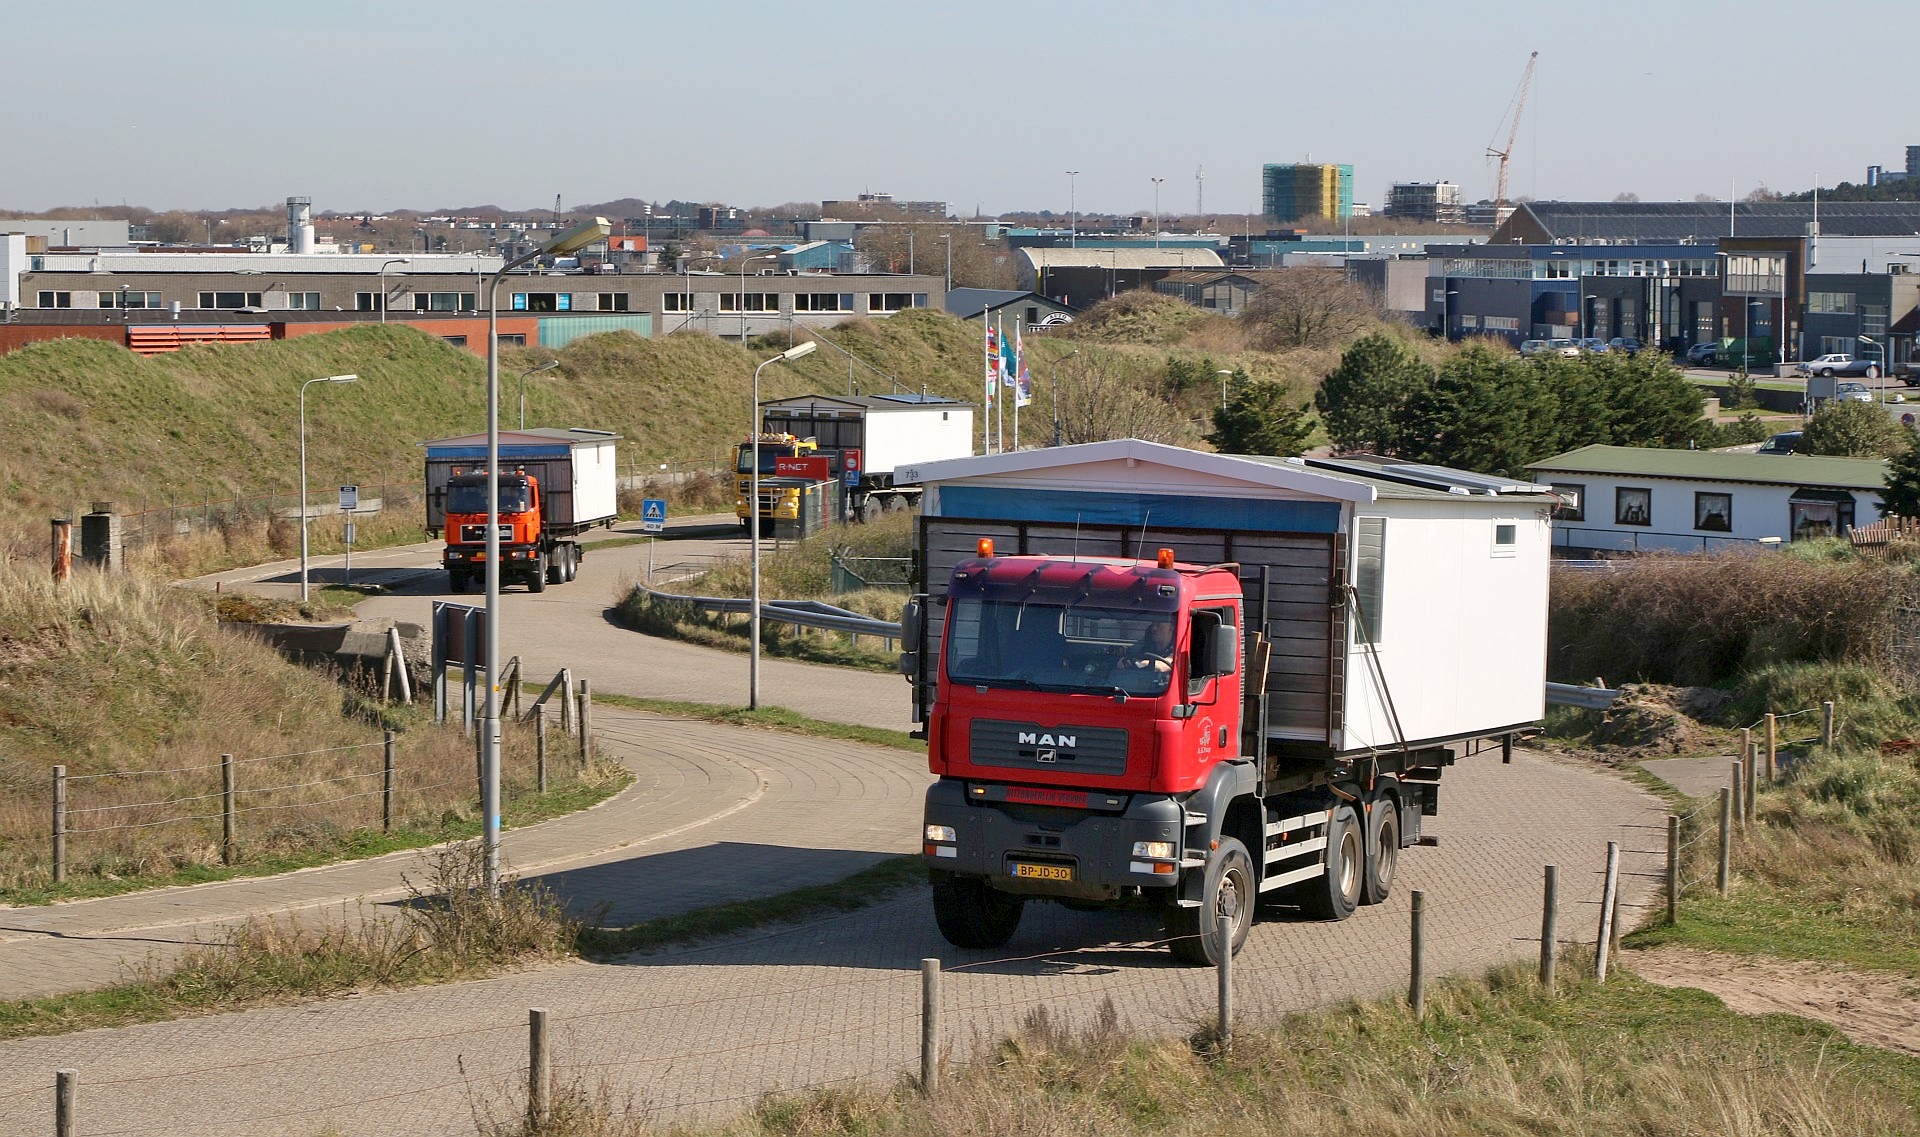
{"x": 701, "y": 1031}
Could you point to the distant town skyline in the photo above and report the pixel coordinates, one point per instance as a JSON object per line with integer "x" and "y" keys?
{"x": 444, "y": 104}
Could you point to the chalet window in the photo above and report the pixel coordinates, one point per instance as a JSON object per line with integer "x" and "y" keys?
{"x": 1713, "y": 512}
{"x": 1632, "y": 507}
{"x": 1369, "y": 576}
{"x": 1573, "y": 501}
{"x": 1506, "y": 538}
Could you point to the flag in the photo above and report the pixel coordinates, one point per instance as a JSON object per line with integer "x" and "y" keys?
{"x": 993, "y": 366}
{"x": 1023, "y": 379}
{"x": 1009, "y": 363}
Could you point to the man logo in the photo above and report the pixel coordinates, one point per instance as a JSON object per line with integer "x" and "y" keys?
{"x": 1038, "y": 738}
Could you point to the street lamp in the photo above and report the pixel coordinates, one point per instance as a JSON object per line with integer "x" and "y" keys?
{"x": 1156, "y": 210}
{"x": 571, "y": 241}
{"x": 1073, "y": 211}
{"x": 797, "y": 351}
{"x": 1882, "y": 349}
{"x": 744, "y": 261}
{"x": 1223, "y": 389}
{"x": 549, "y": 365}
{"x": 948, "y": 238}
{"x": 303, "y": 471}
{"x": 383, "y": 283}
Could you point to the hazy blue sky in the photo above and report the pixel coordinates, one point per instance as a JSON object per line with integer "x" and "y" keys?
{"x": 444, "y": 103}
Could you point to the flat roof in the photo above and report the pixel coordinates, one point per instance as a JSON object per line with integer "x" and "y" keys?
{"x": 1718, "y": 466}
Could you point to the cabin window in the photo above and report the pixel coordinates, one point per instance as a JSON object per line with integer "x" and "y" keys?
{"x": 1713, "y": 512}
{"x": 1506, "y": 538}
{"x": 1369, "y": 574}
{"x": 1632, "y": 507}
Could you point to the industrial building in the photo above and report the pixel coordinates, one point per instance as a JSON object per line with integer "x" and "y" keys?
{"x": 1306, "y": 190}
{"x": 1426, "y": 201}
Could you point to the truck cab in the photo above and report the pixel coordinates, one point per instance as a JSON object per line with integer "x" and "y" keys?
{"x": 777, "y": 502}
{"x": 465, "y": 557}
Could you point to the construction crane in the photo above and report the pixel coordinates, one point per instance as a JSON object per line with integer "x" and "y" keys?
{"x": 1514, "y": 110}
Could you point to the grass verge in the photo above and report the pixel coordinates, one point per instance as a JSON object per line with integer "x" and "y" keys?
{"x": 1494, "y": 1054}
{"x": 769, "y": 718}
{"x": 448, "y": 929}
{"x": 863, "y": 889}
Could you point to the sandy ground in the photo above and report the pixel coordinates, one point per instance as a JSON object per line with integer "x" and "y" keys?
{"x": 1876, "y": 1009}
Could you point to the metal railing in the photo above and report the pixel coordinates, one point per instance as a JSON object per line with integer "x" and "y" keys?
{"x": 804, "y": 613}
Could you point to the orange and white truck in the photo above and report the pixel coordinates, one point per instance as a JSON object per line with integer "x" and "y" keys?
{"x": 554, "y": 486}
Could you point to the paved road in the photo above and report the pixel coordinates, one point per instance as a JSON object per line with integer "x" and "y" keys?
{"x": 701, "y": 1031}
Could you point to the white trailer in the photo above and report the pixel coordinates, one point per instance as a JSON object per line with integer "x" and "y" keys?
{"x": 869, "y": 437}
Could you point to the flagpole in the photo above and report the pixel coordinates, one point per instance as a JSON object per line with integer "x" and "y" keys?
{"x": 1019, "y": 364}
{"x": 1000, "y": 404}
{"x": 986, "y": 364}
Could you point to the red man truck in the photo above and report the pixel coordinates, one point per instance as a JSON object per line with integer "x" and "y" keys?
{"x": 1265, "y": 718}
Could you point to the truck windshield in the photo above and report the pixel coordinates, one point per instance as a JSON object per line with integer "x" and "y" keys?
{"x": 1074, "y": 648}
{"x": 471, "y": 496}
{"x": 767, "y": 455}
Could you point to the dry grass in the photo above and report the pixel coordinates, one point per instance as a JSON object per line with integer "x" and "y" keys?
{"x": 137, "y": 691}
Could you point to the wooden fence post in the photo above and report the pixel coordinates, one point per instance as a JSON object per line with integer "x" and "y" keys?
{"x": 540, "y": 746}
{"x": 1737, "y": 779}
{"x": 1753, "y": 782}
{"x": 929, "y": 1027}
{"x": 1417, "y": 971}
{"x": 586, "y": 724}
{"x": 1603, "y": 942}
{"x": 1826, "y": 724}
{"x": 539, "y": 1069}
{"x": 1223, "y": 977}
{"x": 386, "y": 786}
{"x": 1549, "y": 927}
{"x": 59, "y": 824}
{"x": 566, "y": 700}
{"x": 1773, "y": 747}
{"x": 64, "y": 1084}
{"x": 1673, "y": 870}
{"x": 1726, "y": 838}
{"x": 228, "y": 839}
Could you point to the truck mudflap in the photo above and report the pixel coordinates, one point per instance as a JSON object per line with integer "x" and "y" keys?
{"x": 1033, "y": 842}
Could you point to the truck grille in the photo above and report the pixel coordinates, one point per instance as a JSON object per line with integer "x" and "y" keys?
{"x": 1025, "y": 745}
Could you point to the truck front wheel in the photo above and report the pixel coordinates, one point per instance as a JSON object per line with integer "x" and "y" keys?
{"x": 1231, "y": 892}
{"x": 970, "y": 914}
{"x": 538, "y": 581}
{"x": 1334, "y": 895}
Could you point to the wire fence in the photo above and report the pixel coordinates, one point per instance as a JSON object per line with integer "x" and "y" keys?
{"x": 152, "y": 523}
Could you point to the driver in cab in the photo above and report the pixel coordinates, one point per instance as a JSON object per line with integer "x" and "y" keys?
{"x": 1153, "y": 654}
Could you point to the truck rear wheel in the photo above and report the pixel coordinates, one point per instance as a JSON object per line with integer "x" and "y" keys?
{"x": 553, "y": 566}
{"x": 456, "y": 582}
{"x": 1383, "y": 850}
{"x": 573, "y": 563}
{"x": 538, "y": 581}
{"x": 1231, "y": 892}
{"x": 1334, "y": 895}
{"x": 970, "y": 914}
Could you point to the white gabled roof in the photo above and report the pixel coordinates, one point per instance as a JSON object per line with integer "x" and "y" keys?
{"x": 1280, "y": 474}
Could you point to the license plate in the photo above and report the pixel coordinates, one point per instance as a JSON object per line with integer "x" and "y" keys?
{"x": 1044, "y": 872}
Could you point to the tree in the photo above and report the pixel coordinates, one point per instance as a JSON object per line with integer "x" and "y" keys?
{"x": 1620, "y": 400}
{"x": 1902, "y": 495}
{"x": 1307, "y": 307}
{"x": 1849, "y": 429}
{"x": 1487, "y": 411}
{"x": 1100, "y": 398}
{"x": 1364, "y": 399}
{"x": 1261, "y": 418}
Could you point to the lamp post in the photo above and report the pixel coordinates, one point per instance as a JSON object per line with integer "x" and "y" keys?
{"x": 1156, "y": 210}
{"x": 570, "y": 241}
{"x": 1224, "y": 375}
{"x": 303, "y": 470}
{"x": 797, "y": 351}
{"x": 383, "y": 283}
{"x": 549, "y": 365}
{"x": 1880, "y": 392}
{"x": 744, "y": 261}
{"x": 1073, "y": 211}
{"x": 948, "y": 238}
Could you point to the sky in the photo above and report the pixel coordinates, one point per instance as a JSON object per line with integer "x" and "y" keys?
{"x": 438, "y": 104}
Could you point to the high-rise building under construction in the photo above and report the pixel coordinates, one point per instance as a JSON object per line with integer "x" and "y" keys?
{"x": 1303, "y": 190}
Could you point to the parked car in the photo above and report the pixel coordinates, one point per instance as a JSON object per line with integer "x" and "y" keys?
{"x": 1827, "y": 366}
{"x": 1625, "y": 343}
{"x": 1596, "y": 346}
{"x": 1703, "y": 354}
{"x": 1786, "y": 442}
{"x": 1563, "y": 347}
{"x": 1530, "y": 348}
{"x": 1911, "y": 375}
{"x": 1856, "y": 392}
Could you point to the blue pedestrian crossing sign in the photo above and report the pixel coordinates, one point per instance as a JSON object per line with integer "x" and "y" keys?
{"x": 653, "y": 515}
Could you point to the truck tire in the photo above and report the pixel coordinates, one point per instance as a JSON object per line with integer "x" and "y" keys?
{"x": 1334, "y": 895}
{"x": 456, "y": 582}
{"x": 553, "y": 566}
{"x": 970, "y": 914}
{"x": 1230, "y": 891}
{"x": 1383, "y": 850}
{"x": 538, "y": 581}
{"x": 573, "y": 562}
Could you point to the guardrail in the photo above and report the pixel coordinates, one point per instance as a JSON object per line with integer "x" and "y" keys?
{"x": 1575, "y": 695}
{"x": 805, "y": 613}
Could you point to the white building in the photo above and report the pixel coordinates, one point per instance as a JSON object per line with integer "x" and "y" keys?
{"x": 1634, "y": 499}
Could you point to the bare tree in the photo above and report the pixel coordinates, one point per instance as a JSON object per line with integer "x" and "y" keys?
{"x": 901, "y": 245}
{"x": 1100, "y": 398}
{"x": 1308, "y": 307}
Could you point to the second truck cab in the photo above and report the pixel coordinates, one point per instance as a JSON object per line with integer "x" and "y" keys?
{"x": 778, "y": 502}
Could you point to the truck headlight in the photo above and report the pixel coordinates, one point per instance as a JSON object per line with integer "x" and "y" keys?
{"x": 1155, "y": 850}
{"x": 941, "y": 833}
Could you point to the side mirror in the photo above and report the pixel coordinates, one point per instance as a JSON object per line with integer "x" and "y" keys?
{"x": 909, "y": 664}
{"x": 911, "y": 622}
{"x": 1226, "y": 653}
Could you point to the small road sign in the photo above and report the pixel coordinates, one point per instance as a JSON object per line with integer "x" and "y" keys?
{"x": 349, "y": 498}
{"x": 653, "y": 515}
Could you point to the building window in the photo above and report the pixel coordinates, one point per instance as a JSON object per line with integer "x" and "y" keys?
{"x": 754, "y": 301}
{"x": 1873, "y": 319}
{"x": 900, "y": 301}
{"x": 443, "y": 301}
{"x": 676, "y": 302}
{"x": 543, "y": 301}
{"x": 613, "y": 302}
{"x": 1632, "y": 507}
{"x": 461, "y": 341}
{"x": 513, "y": 339}
{"x": 1573, "y": 502}
{"x": 56, "y": 299}
{"x": 1369, "y": 576}
{"x": 1713, "y": 512}
{"x": 1500, "y": 323}
{"x": 822, "y": 302}
{"x": 1506, "y": 538}
{"x": 303, "y": 301}
{"x": 127, "y": 299}
{"x": 238, "y": 299}
{"x": 1830, "y": 303}
{"x": 367, "y": 302}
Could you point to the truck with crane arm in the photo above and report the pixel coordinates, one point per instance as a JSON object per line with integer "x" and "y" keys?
{"x": 1194, "y": 683}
